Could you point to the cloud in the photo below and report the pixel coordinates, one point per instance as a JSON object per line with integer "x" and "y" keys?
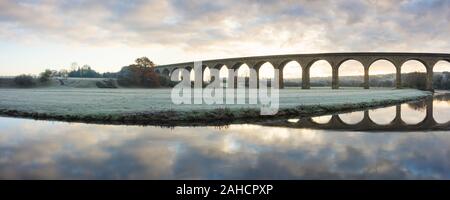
{"x": 201, "y": 29}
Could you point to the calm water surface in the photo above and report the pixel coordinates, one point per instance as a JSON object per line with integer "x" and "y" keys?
{"x": 291, "y": 150}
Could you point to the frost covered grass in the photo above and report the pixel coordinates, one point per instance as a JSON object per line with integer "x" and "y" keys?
{"x": 155, "y": 105}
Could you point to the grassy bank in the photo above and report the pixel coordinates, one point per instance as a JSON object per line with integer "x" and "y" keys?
{"x": 154, "y": 107}
{"x": 59, "y": 83}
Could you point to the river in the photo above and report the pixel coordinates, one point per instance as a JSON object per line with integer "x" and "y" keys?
{"x": 408, "y": 141}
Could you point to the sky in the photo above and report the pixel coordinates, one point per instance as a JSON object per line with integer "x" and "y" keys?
{"x": 107, "y": 35}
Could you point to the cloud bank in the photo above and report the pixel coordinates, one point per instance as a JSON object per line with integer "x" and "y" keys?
{"x": 202, "y": 29}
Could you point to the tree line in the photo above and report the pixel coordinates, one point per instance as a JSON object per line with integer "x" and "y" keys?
{"x": 139, "y": 74}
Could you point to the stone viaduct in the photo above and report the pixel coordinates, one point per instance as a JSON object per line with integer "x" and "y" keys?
{"x": 307, "y": 60}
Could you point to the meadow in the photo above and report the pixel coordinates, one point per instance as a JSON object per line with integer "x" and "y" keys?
{"x": 155, "y": 105}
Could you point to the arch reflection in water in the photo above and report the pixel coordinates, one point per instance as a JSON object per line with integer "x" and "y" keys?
{"x": 441, "y": 111}
{"x": 322, "y": 119}
{"x": 293, "y": 120}
{"x": 383, "y": 116}
{"x": 414, "y": 112}
{"x": 352, "y": 118}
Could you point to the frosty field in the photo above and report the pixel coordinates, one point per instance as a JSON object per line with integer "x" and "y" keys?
{"x": 147, "y": 105}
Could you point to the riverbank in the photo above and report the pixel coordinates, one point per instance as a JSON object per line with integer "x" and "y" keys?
{"x": 154, "y": 106}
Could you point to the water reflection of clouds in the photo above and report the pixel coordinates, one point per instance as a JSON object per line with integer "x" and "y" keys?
{"x": 71, "y": 151}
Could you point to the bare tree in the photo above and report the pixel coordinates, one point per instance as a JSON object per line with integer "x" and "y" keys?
{"x": 74, "y": 66}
